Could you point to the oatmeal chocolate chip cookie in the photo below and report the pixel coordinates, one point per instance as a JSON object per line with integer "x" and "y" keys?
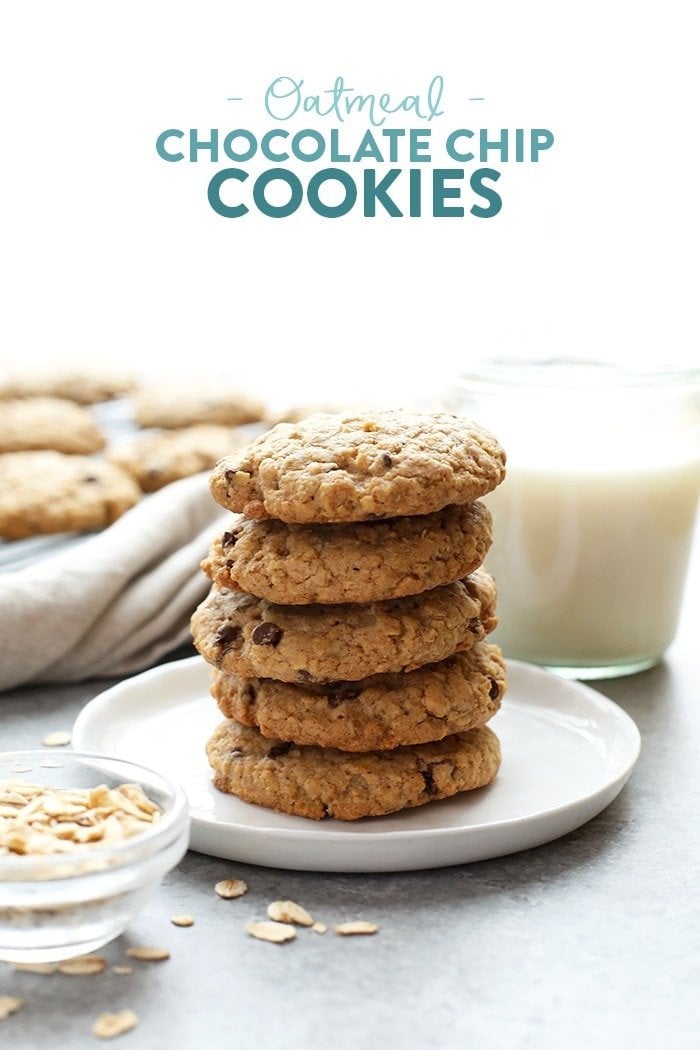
{"x": 48, "y": 422}
{"x": 360, "y": 466}
{"x": 84, "y": 386}
{"x": 323, "y": 782}
{"x": 248, "y": 636}
{"x": 158, "y": 459}
{"x": 350, "y": 562}
{"x": 186, "y": 404}
{"x": 45, "y": 492}
{"x": 374, "y": 714}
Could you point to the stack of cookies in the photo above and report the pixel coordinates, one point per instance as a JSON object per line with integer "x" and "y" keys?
{"x": 347, "y": 617}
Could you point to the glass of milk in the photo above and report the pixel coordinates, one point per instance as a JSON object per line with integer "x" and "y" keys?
{"x": 594, "y": 522}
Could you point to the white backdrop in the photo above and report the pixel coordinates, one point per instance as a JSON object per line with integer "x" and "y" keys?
{"x": 112, "y": 254}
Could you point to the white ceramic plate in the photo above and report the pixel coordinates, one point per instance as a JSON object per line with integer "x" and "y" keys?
{"x": 567, "y": 752}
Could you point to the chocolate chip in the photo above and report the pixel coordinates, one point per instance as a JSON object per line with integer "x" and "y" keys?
{"x": 267, "y": 634}
{"x": 430, "y": 786}
{"x": 494, "y": 691}
{"x": 279, "y": 749}
{"x": 90, "y": 478}
{"x": 303, "y": 675}
{"x": 387, "y": 460}
{"x": 228, "y": 539}
{"x": 229, "y": 475}
{"x": 250, "y": 694}
{"x": 474, "y": 625}
{"x": 227, "y": 634}
{"x": 229, "y": 564}
{"x": 337, "y": 694}
{"x": 326, "y": 811}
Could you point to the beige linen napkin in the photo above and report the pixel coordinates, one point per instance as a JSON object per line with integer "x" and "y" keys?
{"x": 115, "y": 602}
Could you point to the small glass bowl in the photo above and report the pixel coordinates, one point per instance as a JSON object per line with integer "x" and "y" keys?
{"x": 62, "y": 905}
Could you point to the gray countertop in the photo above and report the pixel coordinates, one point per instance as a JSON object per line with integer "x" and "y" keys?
{"x": 590, "y": 941}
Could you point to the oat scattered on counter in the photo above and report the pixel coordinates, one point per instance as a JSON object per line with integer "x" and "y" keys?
{"x": 347, "y": 929}
{"x": 122, "y": 971}
{"x": 289, "y": 911}
{"x": 37, "y": 820}
{"x": 108, "y": 1025}
{"x": 8, "y": 1005}
{"x": 82, "y": 965}
{"x": 43, "y": 968}
{"x": 230, "y": 888}
{"x": 319, "y": 927}
{"x": 58, "y": 739}
{"x": 275, "y": 932}
{"x": 182, "y": 920}
{"x": 148, "y": 953}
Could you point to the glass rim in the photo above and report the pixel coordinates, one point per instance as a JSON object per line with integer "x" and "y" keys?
{"x": 550, "y": 372}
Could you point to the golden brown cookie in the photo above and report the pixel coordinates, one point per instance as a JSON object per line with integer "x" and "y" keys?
{"x": 373, "y": 714}
{"x": 158, "y": 459}
{"x": 332, "y": 468}
{"x": 323, "y": 782}
{"x": 85, "y": 386}
{"x": 250, "y": 637}
{"x": 46, "y": 492}
{"x": 350, "y": 562}
{"x": 48, "y": 422}
{"x": 173, "y": 405}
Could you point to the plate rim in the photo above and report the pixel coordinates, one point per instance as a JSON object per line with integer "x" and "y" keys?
{"x": 625, "y": 721}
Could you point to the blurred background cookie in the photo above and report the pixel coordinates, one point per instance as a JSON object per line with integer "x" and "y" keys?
{"x": 47, "y": 492}
{"x": 158, "y": 459}
{"x": 185, "y": 404}
{"x": 48, "y": 422}
{"x": 85, "y": 386}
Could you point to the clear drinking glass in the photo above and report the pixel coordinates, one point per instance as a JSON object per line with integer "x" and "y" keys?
{"x": 594, "y": 522}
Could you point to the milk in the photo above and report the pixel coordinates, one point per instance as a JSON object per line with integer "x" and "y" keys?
{"x": 590, "y": 566}
{"x": 594, "y": 521}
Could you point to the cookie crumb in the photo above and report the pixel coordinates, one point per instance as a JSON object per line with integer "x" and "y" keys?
{"x": 346, "y": 929}
{"x": 182, "y": 920}
{"x": 8, "y": 1005}
{"x": 122, "y": 971}
{"x": 319, "y": 927}
{"x": 230, "y": 888}
{"x": 275, "y": 932}
{"x": 58, "y": 739}
{"x": 82, "y": 965}
{"x": 148, "y": 953}
{"x": 289, "y": 911}
{"x": 107, "y": 1026}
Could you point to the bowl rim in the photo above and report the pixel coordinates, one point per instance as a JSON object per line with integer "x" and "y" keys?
{"x": 172, "y": 819}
